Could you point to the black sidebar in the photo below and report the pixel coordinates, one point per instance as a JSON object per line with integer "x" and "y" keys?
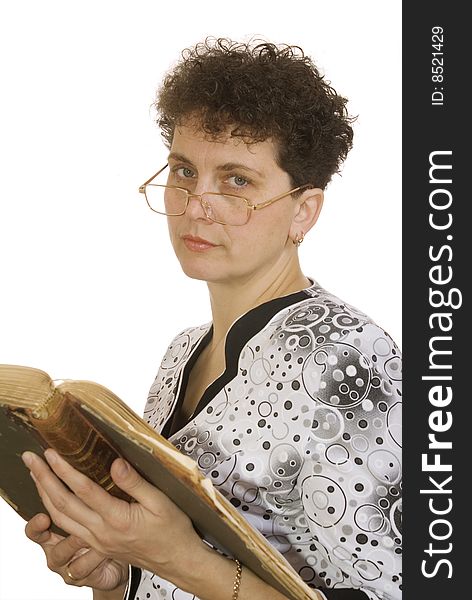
{"x": 436, "y": 258}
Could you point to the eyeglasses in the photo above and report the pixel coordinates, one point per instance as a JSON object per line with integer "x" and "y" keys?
{"x": 227, "y": 209}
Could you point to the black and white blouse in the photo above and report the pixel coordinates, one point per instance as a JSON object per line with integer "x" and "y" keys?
{"x": 302, "y": 434}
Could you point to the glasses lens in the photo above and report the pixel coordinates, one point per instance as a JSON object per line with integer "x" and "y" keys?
{"x": 166, "y": 200}
{"x": 229, "y": 210}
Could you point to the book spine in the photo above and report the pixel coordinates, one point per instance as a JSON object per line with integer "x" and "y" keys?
{"x": 67, "y": 430}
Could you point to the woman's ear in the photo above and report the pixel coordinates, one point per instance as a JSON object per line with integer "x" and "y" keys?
{"x": 306, "y": 212}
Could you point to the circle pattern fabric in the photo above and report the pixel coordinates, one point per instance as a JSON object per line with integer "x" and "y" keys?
{"x": 305, "y": 441}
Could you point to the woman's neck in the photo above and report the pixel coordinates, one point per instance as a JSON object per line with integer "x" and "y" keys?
{"x": 231, "y": 300}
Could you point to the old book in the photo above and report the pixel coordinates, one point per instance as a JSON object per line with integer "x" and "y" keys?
{"x": 90, "y": 427}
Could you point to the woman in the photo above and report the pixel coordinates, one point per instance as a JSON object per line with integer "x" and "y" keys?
{"x": 289, "y": 400}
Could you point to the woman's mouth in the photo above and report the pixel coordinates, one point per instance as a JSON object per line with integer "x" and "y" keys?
{"x": 197, "y": 244}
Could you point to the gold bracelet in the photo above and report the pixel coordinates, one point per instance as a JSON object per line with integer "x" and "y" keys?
{"x": 237, "y": 580}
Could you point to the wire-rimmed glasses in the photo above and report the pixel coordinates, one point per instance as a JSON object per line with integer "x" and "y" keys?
{"x": 227, "y": 209}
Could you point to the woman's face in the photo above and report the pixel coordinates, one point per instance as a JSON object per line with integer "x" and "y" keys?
{"x": 228, "y": 165}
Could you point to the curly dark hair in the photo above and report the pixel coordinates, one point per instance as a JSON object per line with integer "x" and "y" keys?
{"x": 262, "y": 91}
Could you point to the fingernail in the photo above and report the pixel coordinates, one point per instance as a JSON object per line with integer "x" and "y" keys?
{"x": 51, "y": 456}
{"x": 27, "y": 458}
{"x": 122, "y": 468}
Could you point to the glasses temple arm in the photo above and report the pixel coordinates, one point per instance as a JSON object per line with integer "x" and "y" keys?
{"x": 267, "y": 202}
{"x": 142, "y": 187}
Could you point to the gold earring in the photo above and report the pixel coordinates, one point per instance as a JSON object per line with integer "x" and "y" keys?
{"x": 298, "y": 240}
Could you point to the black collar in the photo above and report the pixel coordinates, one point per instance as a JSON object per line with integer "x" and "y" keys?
{"x": 240, "y": 332}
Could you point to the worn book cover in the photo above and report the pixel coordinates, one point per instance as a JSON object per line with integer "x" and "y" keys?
{"x": 90, "y": 426}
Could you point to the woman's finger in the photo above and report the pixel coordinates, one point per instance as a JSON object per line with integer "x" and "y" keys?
{"x": 67, "y": 550}
{"x": 72, "y": 559}
{"x": 88, "y": 503}
{"x": 66, "y": 556}
{"x": 131, "y": 482}
{"x": 85, "y": 564}
{"x": 60, "y": 498}
{"x": 61, "y": 519}
{"x": 37, "y": 528}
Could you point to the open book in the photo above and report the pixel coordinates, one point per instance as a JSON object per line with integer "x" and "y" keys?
{"x": 90, "y": 426}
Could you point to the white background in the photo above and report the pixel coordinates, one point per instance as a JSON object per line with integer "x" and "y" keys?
{"x": 90, "y": 288}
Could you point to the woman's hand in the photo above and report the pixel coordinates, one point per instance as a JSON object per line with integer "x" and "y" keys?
{"x": 152, "y": 533}
{"x": 73, "y": 560}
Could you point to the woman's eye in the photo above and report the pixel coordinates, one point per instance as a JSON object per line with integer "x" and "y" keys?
{"x": 238, "y": 180}
{"x": 184, "y": 172}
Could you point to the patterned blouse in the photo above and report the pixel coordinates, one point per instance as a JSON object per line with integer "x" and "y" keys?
{"x": 302, "y": 434}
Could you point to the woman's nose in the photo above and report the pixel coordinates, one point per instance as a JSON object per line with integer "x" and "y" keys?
{"x": 197, "y": 208}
